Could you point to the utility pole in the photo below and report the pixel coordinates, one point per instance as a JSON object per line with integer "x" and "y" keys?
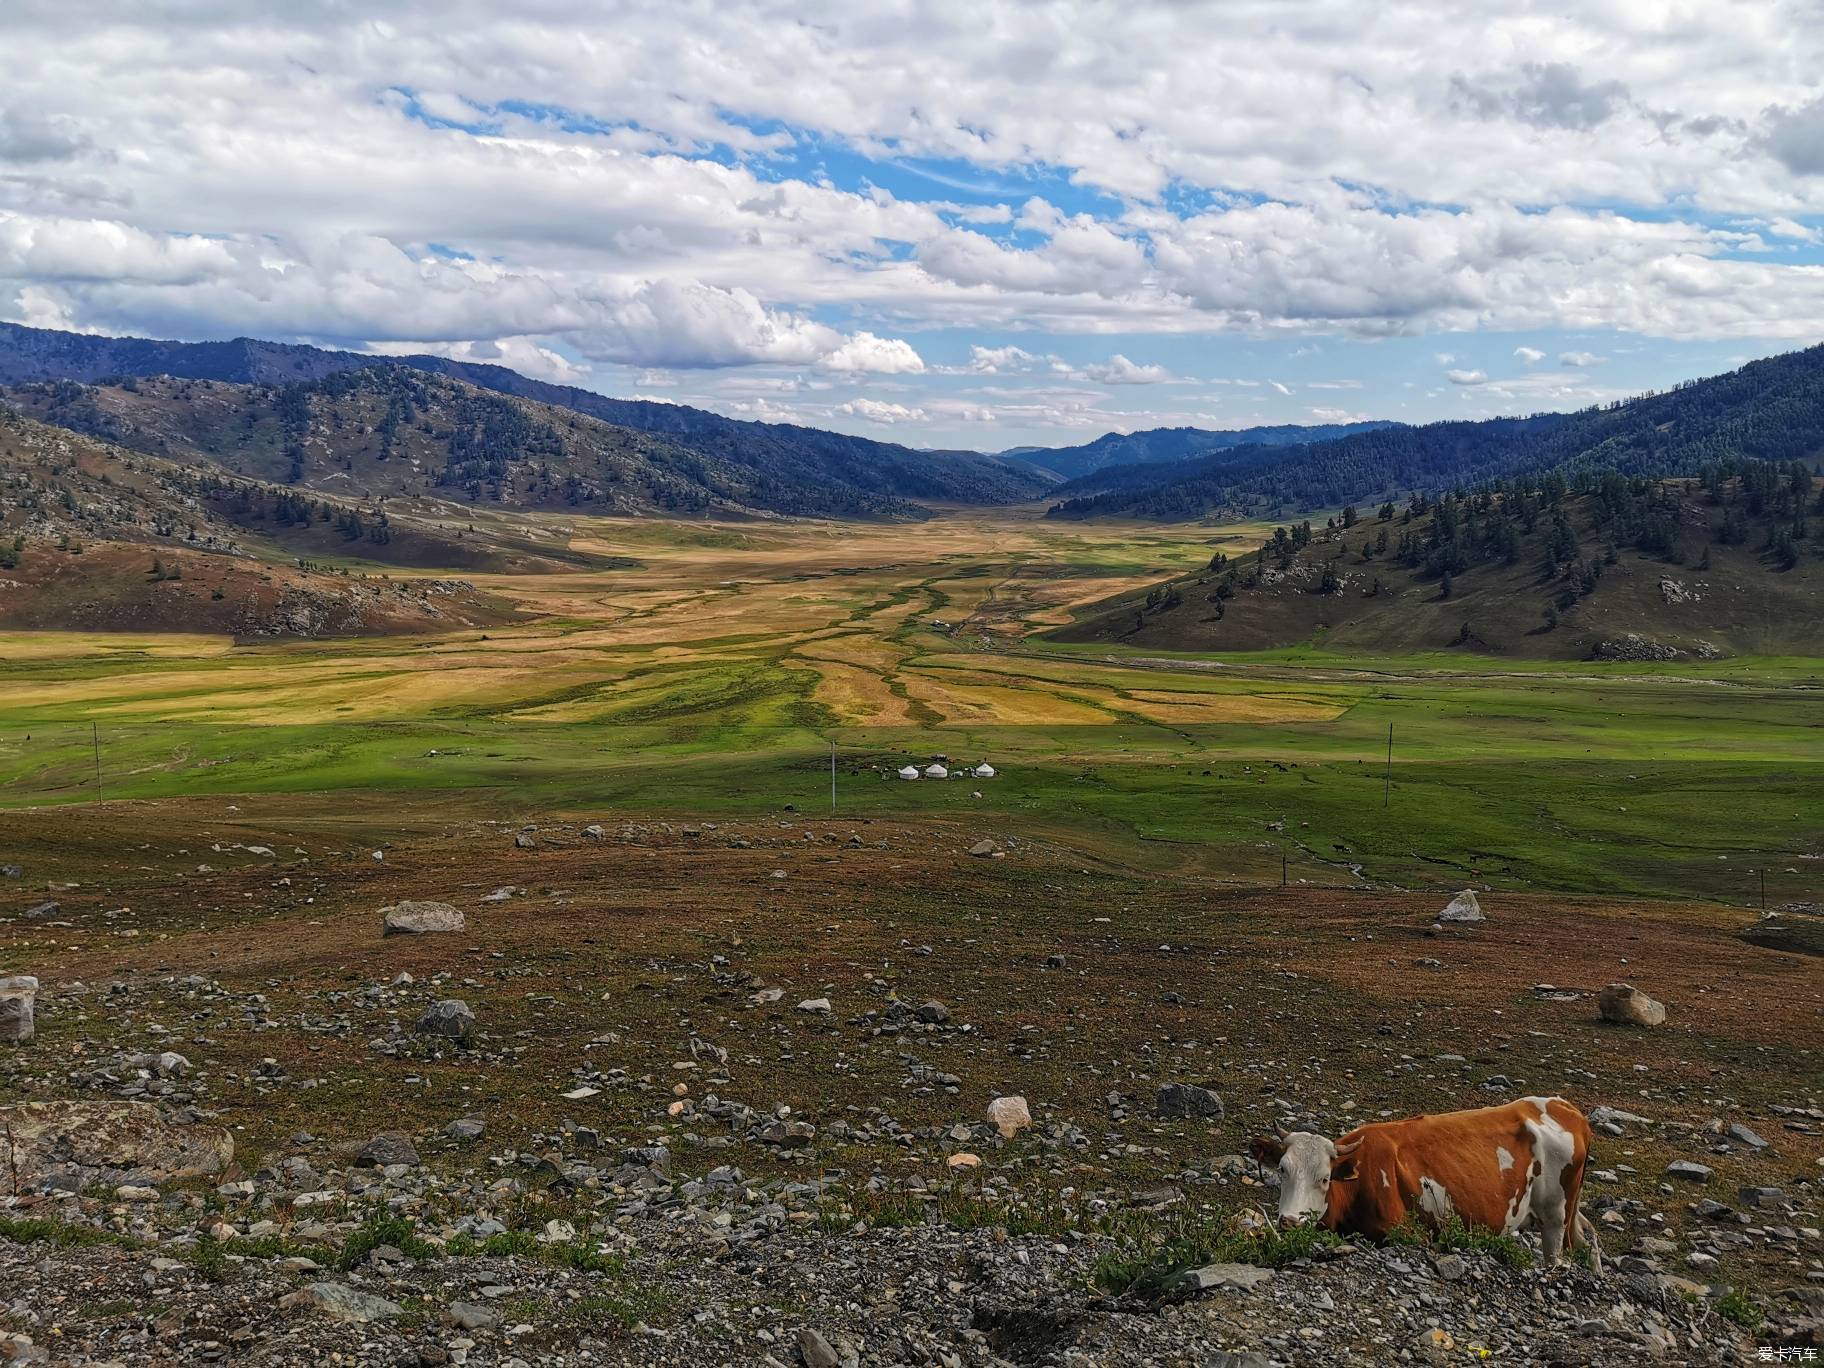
{"x": 1763, "y": 891}
{"x": 95, "y": 731}
{"x": 832, "y": 774}
{"x": 1282, "y": 866}
{"x": 1387, "y": 786}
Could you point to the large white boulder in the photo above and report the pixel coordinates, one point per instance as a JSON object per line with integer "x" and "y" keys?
{"x": 18, "y": 992}
{"x": 1463, "y": 908}
{"x": 420, "y": 918}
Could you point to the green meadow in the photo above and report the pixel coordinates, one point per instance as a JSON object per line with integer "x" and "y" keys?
{"x": 712, "y": 680}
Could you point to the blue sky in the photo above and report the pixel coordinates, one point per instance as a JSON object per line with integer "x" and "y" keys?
{"x": 984, "y": 224}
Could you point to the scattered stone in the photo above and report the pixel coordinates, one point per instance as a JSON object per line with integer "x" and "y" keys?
{"x": 1623, "y": 1002}
{"x": 465, "y": 1129}
{"x": 1233, "y": 1276}
{"x": 18, "y": 993}
{"x": 1737, "y": 1131}
{"x": 1009, "y": 1115}
{"x": 43, "y": 909}
{"x": 594, "y": 831}
{"x": 387, "y": 1148}
{"x": 814, "y": 1350}
{"x": 525, "y": 840}
{"x": 341, "y": 1302}
{"x": 1185, "y": 1100}
{"x": 933, "y": 1013}
{"x": 984, "y": 849}
{"x": 814, "y": 1005}
{"x": 1463, "y": 908}
{"x": 1688, "y": 1171}
{"x": 420, "y": 918}
{"x": 469, "y": 1316}
{"x": 449, "y": 1018}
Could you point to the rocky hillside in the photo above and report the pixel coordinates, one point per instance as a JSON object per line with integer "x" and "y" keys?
{"x": 1610, "y": 568}
{"x": 95, "y": 537}
{"x": 577, "y": 1090}
{"x": 689, "y": 461}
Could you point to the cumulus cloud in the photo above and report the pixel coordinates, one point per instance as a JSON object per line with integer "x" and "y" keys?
{"x": 881, "y": 411}
{"x": 1466, "y": 377}
{"x": 1118, "y": 370}
{"x": 1796, "y": 137}
{"x": 1580, "y": 358}
{"x": 587, "y": 188}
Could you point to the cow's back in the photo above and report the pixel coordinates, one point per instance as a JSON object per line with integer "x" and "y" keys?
{"x": 1484, "y": 1166}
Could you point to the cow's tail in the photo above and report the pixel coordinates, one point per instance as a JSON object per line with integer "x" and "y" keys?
{"x": 1587, "y": 1233}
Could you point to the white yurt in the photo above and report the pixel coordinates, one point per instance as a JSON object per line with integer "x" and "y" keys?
{"x": 908, "y": 773}
{"x": 936, "y": 771}
{"x": 984, "y": 770}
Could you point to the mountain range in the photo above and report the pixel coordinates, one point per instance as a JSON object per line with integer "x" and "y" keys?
{"x": 1176, "y": 444}
{"x": 1769, "y": 410}
{"x": 670, "y": 458}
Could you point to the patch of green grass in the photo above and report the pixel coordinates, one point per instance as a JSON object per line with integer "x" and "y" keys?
{"x": 384, "y": 1230}
{"x": 62, "y": 1234}
{"x": 1151, "y": 1252}
{"x": 1456, "y": 1234}
{"x": 1735, "y": 1306}
{"x": 626, "y": 1307}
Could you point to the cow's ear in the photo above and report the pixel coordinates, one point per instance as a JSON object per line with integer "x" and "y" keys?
{"x": 1267, "y": 1149}
{"x": 1344, "y": 1170}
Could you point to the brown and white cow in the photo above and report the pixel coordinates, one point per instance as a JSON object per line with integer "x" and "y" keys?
{"x": 1500, "y": 1168}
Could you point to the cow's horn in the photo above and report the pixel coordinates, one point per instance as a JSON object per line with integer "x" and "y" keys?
{"x": 1344, "y": 1151}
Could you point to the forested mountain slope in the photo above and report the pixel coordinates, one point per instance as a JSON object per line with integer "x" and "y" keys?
{"x": 1771, "y": 410}
{"x": 1176, "y": 444}
{"x": 1600, "y": 566}
{"x": 787, "y": 469}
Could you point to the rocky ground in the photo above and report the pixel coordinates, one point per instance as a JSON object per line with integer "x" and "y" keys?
{"x": 695, "y": 1093}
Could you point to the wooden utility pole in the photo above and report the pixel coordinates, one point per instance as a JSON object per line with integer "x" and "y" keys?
{"x": 95, "y": 732}
{"x": 1387, "y": 786}
{"x": 832, "y": 774}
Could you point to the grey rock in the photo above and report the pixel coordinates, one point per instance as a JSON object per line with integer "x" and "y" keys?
{"x": 1186, "y": 1100}
{"x": 18, "y": 994}
{"x": 984, "y": 849}
{"x": 1463, "y": 908}
{"x": 934, "y": 1012}
{"x": 1737, "y": 1131}
{"x": 1624, "y": 1003}
{"x": 472, "y": 1317}
{"x": 450, "y": 1018}
{"x": 465, "y": 1128}
{"x": 1238, "y": 1277}
{"x": 341, "y": 1302}
{"x": 420, "y": 918}
{"x": 1688, "y": 1171}
{"x": 1450, "y": 1267}
{"x": 814, "y": 1351}
{"x": 387, "y": 1148}
{"x": 43, "y": 909}
{"x": 1763, "y": 1198}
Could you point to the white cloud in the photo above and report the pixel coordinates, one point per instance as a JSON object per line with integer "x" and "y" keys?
{"x": 311, "y": 172}
{"x": 1118, "y": 370}
{"x": 1580, "y": 358}
{"x": 1466, "y": 377}
{"x": 881, "y": 411}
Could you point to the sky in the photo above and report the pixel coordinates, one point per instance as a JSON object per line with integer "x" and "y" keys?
{"x": 978, "y": 224}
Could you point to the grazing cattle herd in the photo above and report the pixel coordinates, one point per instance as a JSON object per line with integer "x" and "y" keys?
{"x": 1496, "y": 1168}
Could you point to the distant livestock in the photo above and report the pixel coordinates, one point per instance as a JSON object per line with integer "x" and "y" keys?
{"x": 1499, "y": 1168}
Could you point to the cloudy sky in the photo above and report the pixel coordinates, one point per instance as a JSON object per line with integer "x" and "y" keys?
{"x": 973, "y": 224}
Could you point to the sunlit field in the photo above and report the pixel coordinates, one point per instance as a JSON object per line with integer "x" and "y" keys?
{"x": 713, "y": 669}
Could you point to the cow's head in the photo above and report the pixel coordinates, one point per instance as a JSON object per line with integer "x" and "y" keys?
{"x": 1311, "y": 1169}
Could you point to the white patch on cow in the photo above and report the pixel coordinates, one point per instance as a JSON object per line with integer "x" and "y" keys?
{"x": 1304, "y": 1177}
{"x": 1434, "y": 1201}
{"x": 1554, "y": 1149}
{"x": 1503, "y": 1158}
{"x": 1385, "y": 1181}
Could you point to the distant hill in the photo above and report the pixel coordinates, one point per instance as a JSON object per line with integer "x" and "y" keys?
{"x": 97, "y": 538}
{"x": 1173, "y": 444}
{"x": 1768, "y": 410}
{"x": 391, "y": 431}
{"x": 779, "y": 467}
{"x": 1604, "y": 566}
